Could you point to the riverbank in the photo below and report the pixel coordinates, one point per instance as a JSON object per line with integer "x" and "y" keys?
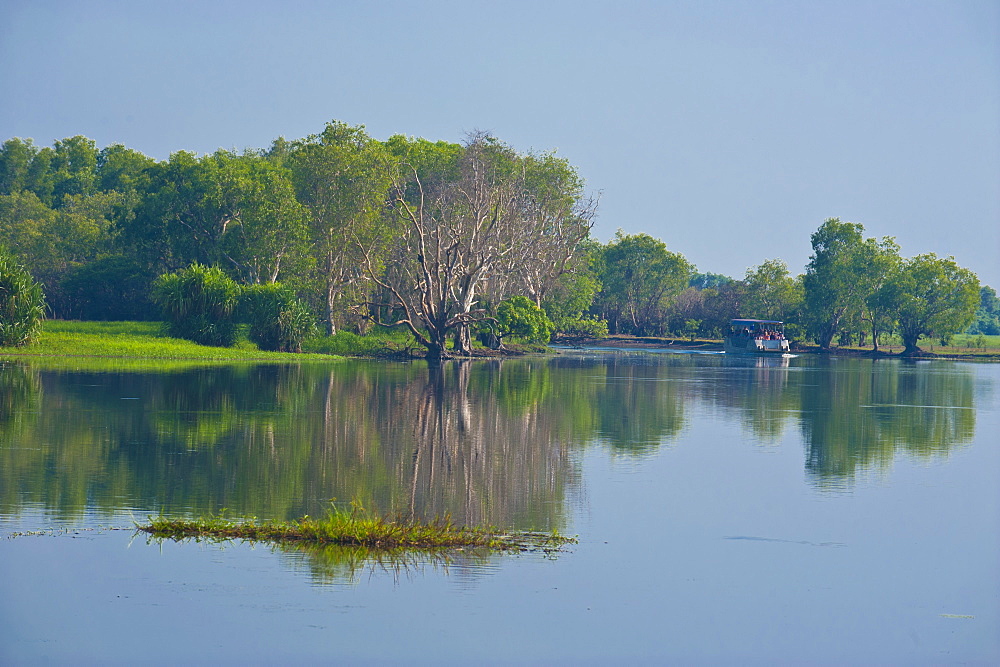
{"x": 147, "y": 341}
{"x": 710, "y": 345}
{"x": 138, "y": 340}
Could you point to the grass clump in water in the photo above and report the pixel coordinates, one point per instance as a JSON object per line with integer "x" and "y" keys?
{"x": 355, "y": 527}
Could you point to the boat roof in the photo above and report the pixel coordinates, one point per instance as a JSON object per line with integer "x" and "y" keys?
{"x": 747, "y": 321}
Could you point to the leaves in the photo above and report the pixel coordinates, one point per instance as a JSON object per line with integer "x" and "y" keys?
{"x": 22, "y": 304}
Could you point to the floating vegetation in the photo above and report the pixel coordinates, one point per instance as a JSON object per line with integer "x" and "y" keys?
{"x": 357, "y": 527}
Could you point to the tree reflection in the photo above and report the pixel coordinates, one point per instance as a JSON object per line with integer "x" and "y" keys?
{"x": 490, "y": 442}
{"x": 858, "y": 417}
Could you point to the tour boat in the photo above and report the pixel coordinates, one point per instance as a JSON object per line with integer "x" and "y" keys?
{"x": 756, "y": 337}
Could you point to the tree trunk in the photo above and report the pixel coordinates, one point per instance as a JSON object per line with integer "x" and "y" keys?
{"x": 462, "y": 340}
{"x": 910, "y": 344}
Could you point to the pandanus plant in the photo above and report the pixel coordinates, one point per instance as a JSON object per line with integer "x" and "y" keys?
{"x": 22, "y": 304}
{"x": 199, "y": 304}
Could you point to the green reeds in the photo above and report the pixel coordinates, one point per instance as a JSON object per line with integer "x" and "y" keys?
{"x": 355, "y": 527}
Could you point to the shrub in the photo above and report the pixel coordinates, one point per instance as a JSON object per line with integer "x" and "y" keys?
{"x": 110, "y": 289}
{"x": 583, "y": 327}
{"x": 199, "y": 304}
{"x": 519, "y": 316}
{"x": 278, "y": 320}
{"x": 22, "y": 304}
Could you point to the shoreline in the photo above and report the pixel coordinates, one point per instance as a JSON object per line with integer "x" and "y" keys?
{"x": 649, "y": 342}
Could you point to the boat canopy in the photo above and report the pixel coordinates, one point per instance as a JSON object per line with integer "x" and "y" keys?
{"x": 749, "y": 323}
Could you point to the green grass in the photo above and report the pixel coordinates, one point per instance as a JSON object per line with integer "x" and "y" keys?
{"x": 144, "y": 340}
{"x": 354, "y": 528}
{"x": 959, "y": 346}
{"x": 378, "y": 342}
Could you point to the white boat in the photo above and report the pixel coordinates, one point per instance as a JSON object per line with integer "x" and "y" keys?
{"x": 755, "y": 337}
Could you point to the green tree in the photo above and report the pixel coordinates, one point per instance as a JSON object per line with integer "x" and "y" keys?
{"x": 54, "y": 242}
{"x": 934, "y": 297}
{"x": 24, "y": 166}
{"x": 110, "y": 288}
{"x": 771, "y": 292}
{"x": 226, "y": 210}
{"x": 639, "y": 276}
{"x": 73, "y": 168}
{"x": 342, "y": 177}
{"x": 520, "y": 317}
{"x": 987, "y": 320}
{"x": 22, "y": 303}
{"x": 16, "y": 155}
{"x": 572, "y": 293}
{"x": 842, "y": 274}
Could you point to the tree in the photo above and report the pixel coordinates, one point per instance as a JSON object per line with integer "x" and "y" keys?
{"x": 226, "y": 210}
{"x": 53, "y": 242}
{"x": 639, "y": 276}
{"x": 520, "y": 317}
{"x": 987, "y": 321}
{"x": 572, "y": 294}
{"x": 934, "y": 296}
{"x": 771, "y": 292}
{"x": 342, "y": 177}
{"x": 110, "y": 288}
{"x": 558, "y": 221}
{"x": 465, "y": 216}
{"x": 73, "y": 168}
{"x": 843, "y": 271}
{"x": 22, "y": 303}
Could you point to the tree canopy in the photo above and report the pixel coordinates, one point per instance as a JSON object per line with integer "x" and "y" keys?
{"x": 432, "y": 236}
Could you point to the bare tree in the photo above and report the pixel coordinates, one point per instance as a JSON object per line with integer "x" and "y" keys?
{"x": 466, "y": 237}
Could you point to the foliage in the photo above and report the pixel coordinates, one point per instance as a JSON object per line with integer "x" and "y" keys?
{"x": 987, "y": 320}
{"x": 278, "y": 320}
{"x": 843, "y": 271}
{"x": 199, "y": 304}
{"x": 709, "y": 280}
{"x": 519, "y": 317}
{"x": 582, "y": 327}
{"x": 342, "y": 177}
{"x": 111, "y": 288}
{"x": 639, "y": 277}
{"x": 22, "y": 303}
{"x": 933, "y": 297}
{"x": 571, "y": 294}
{"x": 771, "y": 292}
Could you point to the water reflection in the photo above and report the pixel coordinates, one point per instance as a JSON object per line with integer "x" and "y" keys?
{"x": 487, "y": 442}
{"x": 860, "y": 416}
{"x": 349, "y": 565}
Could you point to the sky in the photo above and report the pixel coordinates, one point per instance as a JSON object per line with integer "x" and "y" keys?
{"x": 730, "y": 130}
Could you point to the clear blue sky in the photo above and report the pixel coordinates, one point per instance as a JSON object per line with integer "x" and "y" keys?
{"x": 728, "y": 129}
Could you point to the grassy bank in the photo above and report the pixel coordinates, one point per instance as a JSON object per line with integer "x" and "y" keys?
{"x": 144, "y": 340}
{"x": 961, "y": 346}
{"x": 356, "y": 527}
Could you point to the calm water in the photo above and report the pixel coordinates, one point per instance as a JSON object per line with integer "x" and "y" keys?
{"x": 821, "y": 511}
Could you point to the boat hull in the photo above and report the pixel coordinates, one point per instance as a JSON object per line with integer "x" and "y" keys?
{"x": 755, "y": 346}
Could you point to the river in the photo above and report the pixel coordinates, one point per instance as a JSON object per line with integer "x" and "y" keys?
{"x": 806, "y": 510}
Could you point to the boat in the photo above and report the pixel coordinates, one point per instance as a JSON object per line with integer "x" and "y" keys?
{"x": 756, "y": 337}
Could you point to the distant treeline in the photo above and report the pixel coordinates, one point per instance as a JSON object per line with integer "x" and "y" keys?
{"x": 433, "y": 236}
